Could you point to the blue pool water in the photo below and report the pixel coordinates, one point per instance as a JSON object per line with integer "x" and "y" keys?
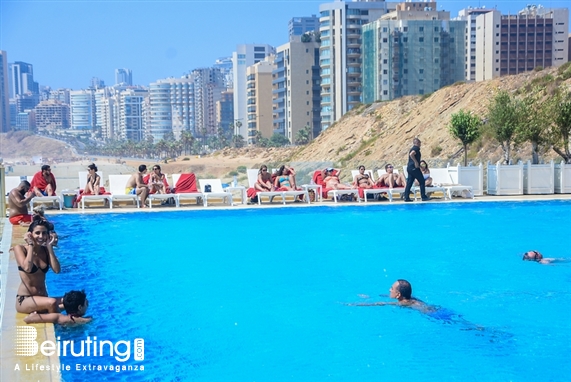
{"x": 259, "y": 295}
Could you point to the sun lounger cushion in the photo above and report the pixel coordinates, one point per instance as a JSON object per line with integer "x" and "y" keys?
{"x": 186, "y": 184}
{"x": 102, "y": 191}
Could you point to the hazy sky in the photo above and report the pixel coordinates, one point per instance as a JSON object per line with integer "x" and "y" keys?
{"x": 70, "y": 41}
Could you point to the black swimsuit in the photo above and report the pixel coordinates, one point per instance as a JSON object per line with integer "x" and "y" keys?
{"x": 34, "y": 270}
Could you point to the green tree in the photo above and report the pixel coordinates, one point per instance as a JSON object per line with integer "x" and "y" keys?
{"x": 187, "y": 140}
{"x": 533, "y": 123}
{"x": 503, "y": 119}
{"x": 303, "y": 136}
{"x": 560, "y": 109}
{"x": 466, "y": 127}
{"x": 278, "y": 140}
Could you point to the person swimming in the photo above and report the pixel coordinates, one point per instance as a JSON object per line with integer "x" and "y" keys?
{"x": 538, "y": 258}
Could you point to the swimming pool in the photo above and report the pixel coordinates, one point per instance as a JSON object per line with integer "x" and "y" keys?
{"x": 259, "y": 295}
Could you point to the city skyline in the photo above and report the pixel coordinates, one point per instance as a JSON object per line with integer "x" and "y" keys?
{"x": 67, "y": 45}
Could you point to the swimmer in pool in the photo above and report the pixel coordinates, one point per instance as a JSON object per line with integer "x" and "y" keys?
{"x": 401, "y": 290}
{"x": 538, "y": 258}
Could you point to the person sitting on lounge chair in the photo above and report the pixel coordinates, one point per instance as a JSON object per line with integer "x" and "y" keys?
{"x": 158, "y": 181}
{"x": 136, "y": 186}
{"x": 93, "y": 181}
{"x": 363, "y": 180}
{"x": 75, "y": 304}
{"x": 44, "y": 182}
{"x": 331, "y": 180}
{"x": 285, "y": 179}
{"x": 264, "y": 182}
{"x": 390, "y": 179}
{"x": 426, "y": 173}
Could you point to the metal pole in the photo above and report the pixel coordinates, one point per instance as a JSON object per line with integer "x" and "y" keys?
{"x": 3, "y": 190}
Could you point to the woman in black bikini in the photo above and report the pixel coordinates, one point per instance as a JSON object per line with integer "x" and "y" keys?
{"x": 93, "y": 181}
{"x": 34, "y": 259}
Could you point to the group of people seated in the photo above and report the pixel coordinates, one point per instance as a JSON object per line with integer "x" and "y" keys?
{"x": 282, "y": 180}
{"x": 35, "y": 258}
{"x": 143, "y": 184}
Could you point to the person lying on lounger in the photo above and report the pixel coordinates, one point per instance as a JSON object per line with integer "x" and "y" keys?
{"x": 390, "y": 179}
{"x": 75, "y": 304}
{"x": 538, "y": 258}
{"x": 285, "y": 178}
{"x": 425, "y": 173}
{"x": 331, "y": 180}
{"x": 362, "y": 180}
{"x": 264, "y": 182}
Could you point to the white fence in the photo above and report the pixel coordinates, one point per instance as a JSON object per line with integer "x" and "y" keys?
{"x": 562, "y": 178}
{"x": 538, "y": 178}
{"x": 505, "y": 179}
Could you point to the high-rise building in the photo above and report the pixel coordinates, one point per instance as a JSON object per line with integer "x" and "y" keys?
{"x": 469, "y": 15}
{"x": 105, "y": 122}
{"x": 26, "y": 121}
{"x": 97, "y": 83}
{"x": 340, "y": 57}
{"x": 208, "y": 88}
{"x": 130, "y": 114}
{"x": 259, "y": 100}
{"x": 26, "y": 101}
{"x": 225, "y": 112}
{"x": 225, "y": 65}
{"x": 244, "y": 56}
{"x": 124, "y": 77}
{"x": 413, "y": 50}
{"x": 297, "y": 26}
{"x": 512, "y": 44}
{"x": 170, "y": 108}
{"x": 82, "y": 110}
{"x": 296, "y": 90}
{"x": 22, "y": 79}
{"x": 4, "y": 93}
{"x": 52, "y": 115}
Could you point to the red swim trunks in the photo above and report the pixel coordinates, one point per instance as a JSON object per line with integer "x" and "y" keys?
{"x": 15, "y": 220}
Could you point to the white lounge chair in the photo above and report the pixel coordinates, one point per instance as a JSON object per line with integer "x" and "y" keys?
{"x": 441, "y": 177}
{"x": 354, "y": 173}
{"x": 428, "y": 189}
{"x": 82, "y": 175}
{"x": 216, "y": 191}
{"x": 198, "y": 196}
{"x": 117, "y": 185}
{"x": 253, "y": 178}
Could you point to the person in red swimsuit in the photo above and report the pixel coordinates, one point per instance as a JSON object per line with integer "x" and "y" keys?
{"x": 18, "y": 200}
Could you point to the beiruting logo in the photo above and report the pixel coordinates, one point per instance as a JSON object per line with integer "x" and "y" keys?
{"x": 26, "y": 345}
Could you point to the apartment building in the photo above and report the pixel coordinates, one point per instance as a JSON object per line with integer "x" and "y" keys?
{"x": 512, "y": 44}
{"x": 340, "y": 59}
{"x": 82, "y": 111}
{"x": 52, "y": 115}
{"x": 4, "y": 93}
{"x": 469, "y": 15}
{"x": 296, "y": 89}
{"x": 259, "y": 100}
{"x": 413, "y": 50}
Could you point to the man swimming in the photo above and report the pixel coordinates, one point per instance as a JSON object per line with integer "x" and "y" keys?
{"x": 401, "y": 290}
{"x": 538, "y": 258}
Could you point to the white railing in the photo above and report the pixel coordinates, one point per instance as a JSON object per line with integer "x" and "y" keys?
{"x": 562, "y": 178}
{"x": 505, "y": 179}
{"x": 538, "y": 178}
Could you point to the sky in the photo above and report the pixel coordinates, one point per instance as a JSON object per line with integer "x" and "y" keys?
{"x": 70, "y": 41}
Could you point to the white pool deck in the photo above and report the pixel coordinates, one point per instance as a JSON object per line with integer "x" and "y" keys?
{"x": 10, "y": 279}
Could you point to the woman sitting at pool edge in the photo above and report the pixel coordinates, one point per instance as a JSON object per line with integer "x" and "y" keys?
{"x": 34, "y": 260}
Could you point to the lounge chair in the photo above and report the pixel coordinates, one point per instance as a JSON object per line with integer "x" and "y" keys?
{"x": 216, "y": 191}
{"x": 103, "y": 196}
{"x": 252, "y": 179}
{"x": 117, "y": 187}
{"x": 441, "y": 177}
{"x": 185, "y": 188}
{"x": 428, "y": 189}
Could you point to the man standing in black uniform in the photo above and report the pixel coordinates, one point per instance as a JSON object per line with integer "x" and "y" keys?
{"x": 413, "y": 169}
